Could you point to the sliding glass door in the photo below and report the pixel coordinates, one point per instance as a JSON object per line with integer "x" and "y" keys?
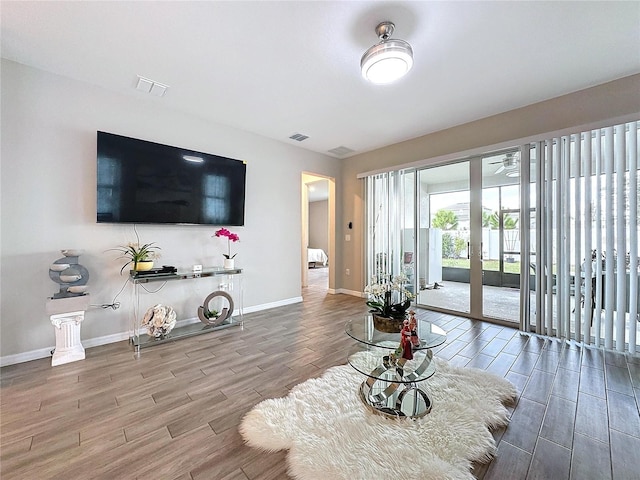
{"x": 443, "y": 247}
{"x": 469, "y": 237}
{"x": 501, "y": 256}
{"x": 544, "y": 236}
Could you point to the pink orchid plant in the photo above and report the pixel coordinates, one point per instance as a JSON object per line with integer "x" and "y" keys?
{"x": 231, "y": 237}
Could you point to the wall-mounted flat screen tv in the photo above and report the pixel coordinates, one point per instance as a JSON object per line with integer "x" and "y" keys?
{"x": 146, "y": 182}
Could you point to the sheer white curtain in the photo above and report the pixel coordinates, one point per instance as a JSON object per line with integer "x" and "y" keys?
{"x": 586, "y": 221}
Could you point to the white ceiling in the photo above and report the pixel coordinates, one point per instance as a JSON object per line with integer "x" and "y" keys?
{"x": 279, "y": 68}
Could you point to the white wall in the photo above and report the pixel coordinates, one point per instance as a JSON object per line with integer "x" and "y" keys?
{"x": 48, "y": 198}
{"x": 319, "y": 225}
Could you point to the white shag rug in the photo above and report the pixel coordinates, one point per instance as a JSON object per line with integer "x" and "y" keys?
{"x": 330, "y": 434}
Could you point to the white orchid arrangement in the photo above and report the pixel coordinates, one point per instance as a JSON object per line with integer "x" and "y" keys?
{"x": 388, "y": 297}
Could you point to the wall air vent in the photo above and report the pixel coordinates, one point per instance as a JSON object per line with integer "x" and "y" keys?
{"x": 298, "y": 137}
{"x": 341, "y": 151}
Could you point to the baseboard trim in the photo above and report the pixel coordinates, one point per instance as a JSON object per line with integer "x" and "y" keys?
{"x": 25, "y": 356}
{"x": 118, "y": 337}
{"x": 97, "y": 341}
{"x": 353, "y": 293}
{"x": 267, "y": 306}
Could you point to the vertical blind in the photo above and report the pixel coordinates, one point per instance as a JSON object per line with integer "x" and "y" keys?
{"x": 586, "y": 222}
{"x": 390, "y": 212}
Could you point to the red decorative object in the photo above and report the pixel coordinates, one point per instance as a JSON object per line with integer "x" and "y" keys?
{"x": 413, "y": 328}
{"x": 405, "y": 341}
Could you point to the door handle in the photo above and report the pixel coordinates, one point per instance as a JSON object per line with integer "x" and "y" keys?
{"x": 470, "y": 251}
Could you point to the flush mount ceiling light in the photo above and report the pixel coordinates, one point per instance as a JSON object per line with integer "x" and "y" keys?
{"x": 388, "y": 60}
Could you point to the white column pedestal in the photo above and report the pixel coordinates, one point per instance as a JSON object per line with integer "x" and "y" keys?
{"x": 67, "y": 328}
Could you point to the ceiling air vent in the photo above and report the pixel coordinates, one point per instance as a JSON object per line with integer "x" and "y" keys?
{"x": 151, "y": 86}
{"x": 298, "y": 137}
{"x": 341, "y": 151}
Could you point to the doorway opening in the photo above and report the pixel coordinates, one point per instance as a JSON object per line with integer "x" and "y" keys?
{"x": 318, "y": 232}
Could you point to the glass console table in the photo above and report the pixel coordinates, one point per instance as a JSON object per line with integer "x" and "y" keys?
{"x": 228, "y": 284}
{"x": 393, "y": 385}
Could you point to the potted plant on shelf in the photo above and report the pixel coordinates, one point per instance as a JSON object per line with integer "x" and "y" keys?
{"x": 142, "y": 256}
{"x": 389, "y": 300}
{"x": 231, "y": 237}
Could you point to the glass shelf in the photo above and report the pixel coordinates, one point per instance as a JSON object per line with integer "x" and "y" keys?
{"x": 191, "y": 330}
{"x": 181, "y": 275}
{"x": 233, "y": 286}
{"x": 374, "y": 362}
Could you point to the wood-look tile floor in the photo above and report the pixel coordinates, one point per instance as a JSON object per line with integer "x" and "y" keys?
{"x": 173, "y": 412}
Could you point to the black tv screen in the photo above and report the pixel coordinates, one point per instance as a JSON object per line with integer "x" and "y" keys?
{"x": 146, "y": 182}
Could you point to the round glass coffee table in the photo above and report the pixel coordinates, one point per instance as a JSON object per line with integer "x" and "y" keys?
{"x": 393, "y": 384}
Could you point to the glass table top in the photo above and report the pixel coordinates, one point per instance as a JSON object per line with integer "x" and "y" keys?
{"x": 362, "y": 330}
{"x": 375, "y": 363}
